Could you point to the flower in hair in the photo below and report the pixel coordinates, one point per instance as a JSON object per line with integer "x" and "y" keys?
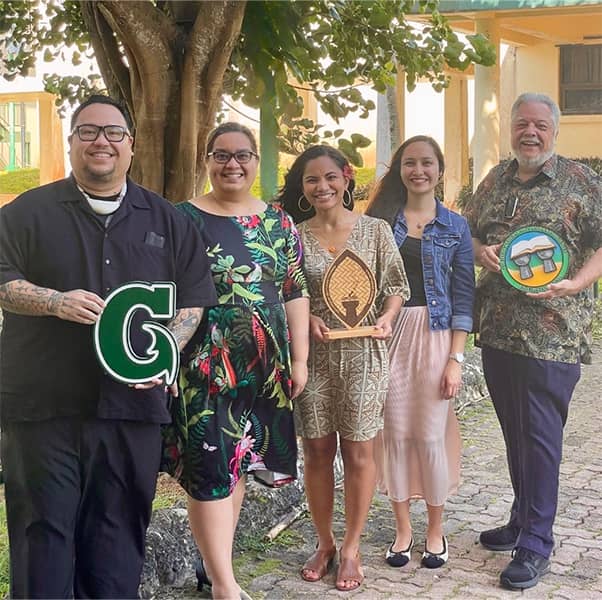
{"x": 348, "y": 171}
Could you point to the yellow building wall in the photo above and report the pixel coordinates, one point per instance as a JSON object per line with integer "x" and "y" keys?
{"x": 46, "y": 134}
{"x": 536, "y": 69}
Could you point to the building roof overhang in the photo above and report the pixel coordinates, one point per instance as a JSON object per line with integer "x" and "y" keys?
{"x": 529, "y": 22}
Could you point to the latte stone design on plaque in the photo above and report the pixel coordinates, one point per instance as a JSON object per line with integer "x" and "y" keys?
{"x": 533, "y": 257}
{"x": 349, "y": 289}
{"x": 112, "y": 333}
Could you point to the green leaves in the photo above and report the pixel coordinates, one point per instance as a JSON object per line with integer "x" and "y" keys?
{"x": 331, "y": 47}
{"x": 286, "y": 50}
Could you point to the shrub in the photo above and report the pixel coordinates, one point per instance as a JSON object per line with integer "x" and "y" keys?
{"x": 16, "y": 182}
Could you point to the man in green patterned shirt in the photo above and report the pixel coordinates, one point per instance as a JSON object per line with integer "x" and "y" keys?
{"x": 533, "y": 343}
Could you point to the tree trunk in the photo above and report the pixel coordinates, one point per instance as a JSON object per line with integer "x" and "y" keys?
{"x": 172, "y": 83}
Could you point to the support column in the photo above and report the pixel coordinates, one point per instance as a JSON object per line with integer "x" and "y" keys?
{"x": 486, "y": 142}
{"x": 52, "y": 165}
{"x": 268, "y": 145}
{"x": 456, "y": 138}
{"x": 12, "y": 139}
{"x": 384, "y": 118}
{"x": 400, "y": 104}
{"x": 310, "y": 104}
{"x": 390, "y": 122}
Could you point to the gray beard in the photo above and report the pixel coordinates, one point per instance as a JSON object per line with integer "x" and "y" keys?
{"x": 538, "y": 161}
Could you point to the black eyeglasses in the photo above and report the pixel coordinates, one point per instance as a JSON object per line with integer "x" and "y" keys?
{"x": 242, "y": 157}
{"x": 90, "y": 133}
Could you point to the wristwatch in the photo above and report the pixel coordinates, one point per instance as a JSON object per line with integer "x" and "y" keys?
{"x": 457, "y": 356}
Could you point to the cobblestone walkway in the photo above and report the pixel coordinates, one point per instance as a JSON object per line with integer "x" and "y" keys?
{"x": 483, "y": 501}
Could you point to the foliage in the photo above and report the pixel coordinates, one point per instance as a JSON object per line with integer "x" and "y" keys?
{"x": 267, "y": 53}
{"x": 322, "y": 45}
{"x": 15, "y": 182}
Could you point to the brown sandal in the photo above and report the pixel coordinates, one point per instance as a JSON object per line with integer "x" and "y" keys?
{"x": 350, "y": 569}
{"x": 320, "y": 563}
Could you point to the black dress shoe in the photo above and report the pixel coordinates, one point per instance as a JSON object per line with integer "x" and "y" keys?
{"x": 399, "y": 558}
{"x": 500, "y": 538}
{"x": 524, "y": 570}
{"x": 202, "y": 578}
{"x": 430, "y": 560}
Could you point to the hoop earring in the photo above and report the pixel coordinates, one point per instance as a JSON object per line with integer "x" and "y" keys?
{"x": 347, "y": 200}
{"x": 301, "y": 198}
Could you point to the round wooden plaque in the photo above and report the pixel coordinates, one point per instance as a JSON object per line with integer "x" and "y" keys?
{"x": 533, "y": 257}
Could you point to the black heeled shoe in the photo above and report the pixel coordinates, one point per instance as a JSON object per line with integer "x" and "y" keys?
{"x": 201, "y": 575}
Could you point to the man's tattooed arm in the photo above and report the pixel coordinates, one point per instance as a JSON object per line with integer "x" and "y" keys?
{"x": 24, "y": 298}
{"x": 184, "y": 324}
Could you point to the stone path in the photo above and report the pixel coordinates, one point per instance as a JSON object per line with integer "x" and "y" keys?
{"x": 270, "y": 571}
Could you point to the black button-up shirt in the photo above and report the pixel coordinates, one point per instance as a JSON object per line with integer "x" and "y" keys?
{"x": 50, "y": 237}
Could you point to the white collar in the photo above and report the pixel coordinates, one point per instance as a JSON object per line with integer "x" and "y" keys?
{"x": 105, "y": 207}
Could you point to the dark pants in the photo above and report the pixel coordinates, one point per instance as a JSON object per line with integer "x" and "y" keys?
{"x": 531, "y": 398}
{"x": 78, "y": 500}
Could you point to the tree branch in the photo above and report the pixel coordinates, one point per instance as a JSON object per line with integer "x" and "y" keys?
{"x": 205, "y": 62}
{"x": 110, "y": 62}
{"x": 149, "y": 38}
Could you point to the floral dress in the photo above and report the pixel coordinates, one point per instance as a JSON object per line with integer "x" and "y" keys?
{"x": 234, "y": 413}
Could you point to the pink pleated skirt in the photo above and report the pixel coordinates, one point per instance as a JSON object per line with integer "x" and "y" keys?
{"x": 418, "y": 451}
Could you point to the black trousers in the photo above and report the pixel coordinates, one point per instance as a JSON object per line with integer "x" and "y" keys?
{"x": 531, "y": 398}
{"x": 78, "y": 501}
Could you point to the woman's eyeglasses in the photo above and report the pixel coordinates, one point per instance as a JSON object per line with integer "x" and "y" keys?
{"x": 242, "y": 157}
{"x": 90, "y": 133}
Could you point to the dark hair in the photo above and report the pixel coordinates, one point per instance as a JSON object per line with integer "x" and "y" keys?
{"x": 292, "y": 189}
{"x": 231, "y": 127}
{"x": 390, "y": 194}
{"x": 101, "y": 99}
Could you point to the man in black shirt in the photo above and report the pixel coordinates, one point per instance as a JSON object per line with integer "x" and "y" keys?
{"x": 81, "y": 451}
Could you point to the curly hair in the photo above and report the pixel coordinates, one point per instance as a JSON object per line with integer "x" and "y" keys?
{"x": 390, "y": 194}
{"x": 292, "y": 190}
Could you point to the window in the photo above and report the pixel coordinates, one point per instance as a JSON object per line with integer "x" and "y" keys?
{"x": 581, "y": 79}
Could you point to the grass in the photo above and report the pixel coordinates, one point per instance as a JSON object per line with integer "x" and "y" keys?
{"x": 15, "y": 182}
{"x": 21, "y": 180}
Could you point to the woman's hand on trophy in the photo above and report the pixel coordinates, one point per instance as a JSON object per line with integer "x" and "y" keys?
{"x": 385, "y": 324}
{"x": 317, "y": 328}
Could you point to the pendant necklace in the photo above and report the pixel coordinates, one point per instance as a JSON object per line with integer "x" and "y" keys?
{"x": 428, "y": 220}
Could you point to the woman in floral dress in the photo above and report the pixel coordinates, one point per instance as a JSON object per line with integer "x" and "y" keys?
{"x": 248, "y": 359}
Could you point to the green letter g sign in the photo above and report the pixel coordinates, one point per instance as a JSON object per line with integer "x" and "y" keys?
{"x": 113, "y": 335}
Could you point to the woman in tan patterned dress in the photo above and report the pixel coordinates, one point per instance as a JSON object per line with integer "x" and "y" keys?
{"x": 348, "y": 377}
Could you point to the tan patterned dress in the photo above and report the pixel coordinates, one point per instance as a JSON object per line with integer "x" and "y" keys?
{"x": 348, "y": 378}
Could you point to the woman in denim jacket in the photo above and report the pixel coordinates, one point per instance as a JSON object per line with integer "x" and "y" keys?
{"x": 418, "y": 452}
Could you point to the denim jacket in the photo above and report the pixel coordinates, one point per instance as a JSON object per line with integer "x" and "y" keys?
{"x": 447, "y": 267}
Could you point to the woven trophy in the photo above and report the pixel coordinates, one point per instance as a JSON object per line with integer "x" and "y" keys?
{"x": 349, "y": 290}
